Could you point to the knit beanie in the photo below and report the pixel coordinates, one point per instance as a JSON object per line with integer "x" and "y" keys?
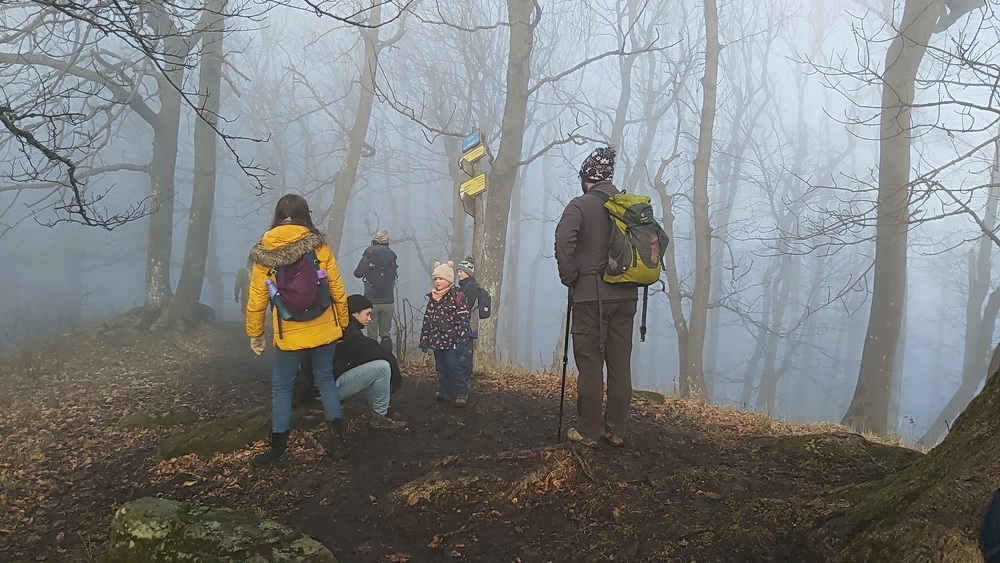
{"x": 444, "y": 271}
{"x": 466, "y": 266}
{"x": 381, "y": 237}
{"x": 357, "y": 303}
{"x": 600, "y": 165}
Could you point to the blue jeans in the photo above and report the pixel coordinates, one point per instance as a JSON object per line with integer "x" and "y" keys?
{"x": 373, "y": 379}
{"x": 451, "y": 380}
{"x": 465, "y": 359}
{"x": 286, "y": 363}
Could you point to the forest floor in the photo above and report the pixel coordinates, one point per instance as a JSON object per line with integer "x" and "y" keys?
{"x": 482, "y": 483}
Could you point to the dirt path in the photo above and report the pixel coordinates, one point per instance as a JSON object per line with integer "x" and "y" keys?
{"x": 481, "y": 483}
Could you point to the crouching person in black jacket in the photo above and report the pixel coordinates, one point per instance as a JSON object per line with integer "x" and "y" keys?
{"x": 360, "y": 364}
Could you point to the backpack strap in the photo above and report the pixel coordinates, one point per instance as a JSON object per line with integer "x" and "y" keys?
{"x": 601, "y": 194}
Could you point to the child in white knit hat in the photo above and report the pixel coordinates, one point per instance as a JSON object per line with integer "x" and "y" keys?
{"x": 445, "y": 329}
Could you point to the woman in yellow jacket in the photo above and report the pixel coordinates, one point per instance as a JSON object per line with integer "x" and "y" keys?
{"x": 292, "y": 235}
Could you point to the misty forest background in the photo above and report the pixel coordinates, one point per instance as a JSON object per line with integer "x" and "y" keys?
{"x": 828, "y": 182}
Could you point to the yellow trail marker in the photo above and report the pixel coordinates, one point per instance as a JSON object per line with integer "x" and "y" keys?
{"x": 474, "y": 186}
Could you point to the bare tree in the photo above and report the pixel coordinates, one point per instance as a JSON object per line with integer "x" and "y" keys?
{"x": 211, "y": 34}
{"x": 869, "y": 408}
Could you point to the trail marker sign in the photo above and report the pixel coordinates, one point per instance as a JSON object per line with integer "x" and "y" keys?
{"x": 471, "y": 141}
{"x": 475, "y": 154}
{"x": 474, "y": 186}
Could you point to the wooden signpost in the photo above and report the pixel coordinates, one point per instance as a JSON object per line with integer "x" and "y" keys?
{"x": 472, "y": 190}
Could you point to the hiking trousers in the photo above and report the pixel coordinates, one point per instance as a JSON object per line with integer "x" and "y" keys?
{"x": 381, "y": 324}
{"x": 596, "y": 416}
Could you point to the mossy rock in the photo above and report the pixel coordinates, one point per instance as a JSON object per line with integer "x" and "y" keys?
{"x": 151, "y": 530}
{"x": 173, "y": 417}
{"x": 231, "y": 433}
{"x": 651, "y": 396}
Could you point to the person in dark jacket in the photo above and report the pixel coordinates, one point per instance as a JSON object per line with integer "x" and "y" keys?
{"x": 470, "y": 289}
{"x": 362, "y": 365}
{"x": 445, "y": 328}
{"x": 378, "y": 268}
{"x": 603, "y": 313}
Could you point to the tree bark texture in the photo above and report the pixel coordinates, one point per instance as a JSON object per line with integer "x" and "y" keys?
{"x": 503, "y": 173}
{"x": 199, "y": 229}
{"x": 166, "y": 126}
{"x": 344, "y": 178}
{"x": 870, "y": 405}
{"x": 693, "y": 372}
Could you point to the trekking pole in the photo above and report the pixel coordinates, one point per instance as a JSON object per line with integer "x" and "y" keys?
{"x": 562, "y": 393}
{"x": 642, "y": 325}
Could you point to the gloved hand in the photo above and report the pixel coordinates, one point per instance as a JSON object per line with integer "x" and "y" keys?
{"x": 257, "y": 344}
{"x": 425, "y": 347}
{"x": 474, "y": 334}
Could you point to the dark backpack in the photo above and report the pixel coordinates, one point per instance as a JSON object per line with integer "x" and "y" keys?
{"x": 300, "y": 290}
{"x": 381, "y": 274}
{"x": 485, "y": 303}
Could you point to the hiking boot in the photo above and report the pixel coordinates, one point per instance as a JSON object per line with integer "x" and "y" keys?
{"x": 272, "y": 457}
{"x": 386, "y": 343}
{"x": 335, "y": 444}
{"x": 613, "y": 439}
{"x": 441, "y": 397}
{"x": 573, "y": 435}
{"x": 383, "y": 422}
{"x": 461, "y": 400}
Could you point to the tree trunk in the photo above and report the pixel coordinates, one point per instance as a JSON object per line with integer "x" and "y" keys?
{"x": 870, "y": 405}
{"x": 213, "y": 275}
{"x": 504, "y": 171}
{"x": 693, "y": 370}
{"x": 166, "y": 125}
{"x": 508, "y": 349}
{"x": 192, "y": 278}
{"x": 979, "y": 321}
{"x": 343, "y": 180}
{"x": 899, "y": 518}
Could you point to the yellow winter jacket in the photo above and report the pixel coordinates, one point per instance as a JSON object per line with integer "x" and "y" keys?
{"x": 281, "y": 246}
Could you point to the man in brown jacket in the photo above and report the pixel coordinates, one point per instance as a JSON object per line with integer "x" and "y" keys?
{"x": 603, "y": 313}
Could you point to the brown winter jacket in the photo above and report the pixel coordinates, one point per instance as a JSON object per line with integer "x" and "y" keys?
{"x": 582, "y": 244}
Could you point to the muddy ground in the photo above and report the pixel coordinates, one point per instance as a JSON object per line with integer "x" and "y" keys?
{"x": 482, "y": 483}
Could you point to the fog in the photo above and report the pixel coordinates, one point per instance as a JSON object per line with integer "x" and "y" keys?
{"x": 792, "y": 181}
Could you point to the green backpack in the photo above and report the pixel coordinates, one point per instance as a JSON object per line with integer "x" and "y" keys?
{"x": 637, "y": 240}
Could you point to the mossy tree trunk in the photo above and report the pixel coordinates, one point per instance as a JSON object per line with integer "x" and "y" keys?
{"x": 930, "y": 511}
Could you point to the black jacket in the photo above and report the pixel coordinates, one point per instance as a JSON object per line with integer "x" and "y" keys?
{"x": 379, "y": 253}
{"x": 357, "y": 349}
{"x": 471, "y": 289}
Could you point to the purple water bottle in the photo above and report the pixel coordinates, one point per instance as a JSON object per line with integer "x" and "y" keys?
{"x": 272, "y": 289}
{"x": 321, "y": 274}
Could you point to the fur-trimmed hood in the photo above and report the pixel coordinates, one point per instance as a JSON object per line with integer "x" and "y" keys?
{"x": 283, "y": 245}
